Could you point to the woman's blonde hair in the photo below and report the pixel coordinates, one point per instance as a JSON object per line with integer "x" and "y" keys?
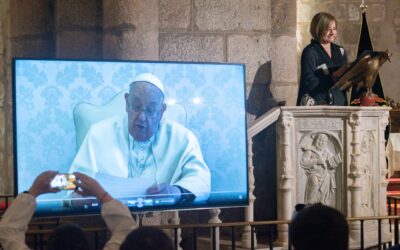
{"x": 320, "y": 24}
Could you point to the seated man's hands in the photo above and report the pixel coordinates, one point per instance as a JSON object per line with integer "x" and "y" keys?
{"x": 41, "y": 185}
{"x": 165, "y": 190}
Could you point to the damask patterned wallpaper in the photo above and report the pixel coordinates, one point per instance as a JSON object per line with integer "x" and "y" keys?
{"x": 46, "y": 92}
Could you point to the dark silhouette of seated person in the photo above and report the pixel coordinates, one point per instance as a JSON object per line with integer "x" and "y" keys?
{"x": 319, "y": 227}
{"x": 68, "y": 236}
{"x": 149, "y": 238}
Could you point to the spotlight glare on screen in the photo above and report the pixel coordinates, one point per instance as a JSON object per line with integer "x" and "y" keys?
{"x": 197, "y": 100}
{"x": 171, "y": 101}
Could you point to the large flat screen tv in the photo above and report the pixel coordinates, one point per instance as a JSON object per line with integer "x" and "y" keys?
{"x": 57, "y": 103}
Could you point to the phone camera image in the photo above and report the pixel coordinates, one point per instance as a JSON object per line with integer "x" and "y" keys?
{"x": 63, "y": 181}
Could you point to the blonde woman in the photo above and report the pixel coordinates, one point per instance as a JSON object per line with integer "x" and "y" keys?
{"x": 319, "y": 60}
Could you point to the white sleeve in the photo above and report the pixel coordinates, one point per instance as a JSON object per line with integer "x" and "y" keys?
{"x": 119, "y": 221}
{"x": 14, "y": 223}
{"x": 195, "y": 176}
{"x": 84, "y": 161}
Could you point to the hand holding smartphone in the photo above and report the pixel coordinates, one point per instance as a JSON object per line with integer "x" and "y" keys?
{"x": 64, "y": 182}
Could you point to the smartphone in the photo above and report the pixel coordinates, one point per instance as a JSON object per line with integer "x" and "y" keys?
{"x": 63, "y": 181}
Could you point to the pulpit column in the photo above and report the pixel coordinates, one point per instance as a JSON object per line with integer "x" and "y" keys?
{"x": 355, "y": 187}
{"x": 286, "y": 188}
{"x": 249, "y": 211}
{"x": 384, "y": 121}
{"x": 382, "y": 210}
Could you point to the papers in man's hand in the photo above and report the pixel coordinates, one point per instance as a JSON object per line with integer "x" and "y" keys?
{"x": 119, "y": 187}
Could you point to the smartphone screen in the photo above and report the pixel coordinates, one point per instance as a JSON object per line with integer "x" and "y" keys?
{"x": 63, "y": 181}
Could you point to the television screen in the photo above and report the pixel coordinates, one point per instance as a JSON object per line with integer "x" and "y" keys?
{"x": 174, "y": 139}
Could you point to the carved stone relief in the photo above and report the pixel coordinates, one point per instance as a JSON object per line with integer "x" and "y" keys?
{"x": 320, "y": 161}
{"x": 367, "y": 162}
{"x": 336, "y": 156}
{"x": 326, "y": 123}
{"x": 369, "y": 123}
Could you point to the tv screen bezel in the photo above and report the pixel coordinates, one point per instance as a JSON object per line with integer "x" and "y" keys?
{"x": 244, "y": 202}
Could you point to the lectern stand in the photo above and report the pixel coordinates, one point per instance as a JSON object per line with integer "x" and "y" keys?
{"x": 336, "y": 156}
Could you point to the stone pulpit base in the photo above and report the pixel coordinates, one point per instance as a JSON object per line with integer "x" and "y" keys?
{"x": 335, "y": 156}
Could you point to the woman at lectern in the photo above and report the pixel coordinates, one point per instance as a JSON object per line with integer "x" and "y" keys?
{"x": 320, "y": 62}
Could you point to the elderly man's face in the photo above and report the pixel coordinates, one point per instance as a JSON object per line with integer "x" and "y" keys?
{"x": 145, "y": 108}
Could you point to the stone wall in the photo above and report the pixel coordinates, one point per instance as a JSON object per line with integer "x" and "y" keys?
{"x": 32, "y": 28}
{"x": 236, "y": 31}
{"x": 261, "y": 34}
{"x": 284, "y": 65}
{"x": 130, "y": 29}
{"x": 25, "y": 31}
{"x": 383, "y": 19}
{"x": 78, "y": 29}
{"x": 6, "y": 176}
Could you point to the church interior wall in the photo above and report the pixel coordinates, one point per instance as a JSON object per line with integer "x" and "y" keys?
{"x": 266, "y": 35}
{"x": 78, "y": 30}
{"x": 5, "y": 106}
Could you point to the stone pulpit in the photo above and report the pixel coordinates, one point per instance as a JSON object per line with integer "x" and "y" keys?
{"x": 335, "y": 156}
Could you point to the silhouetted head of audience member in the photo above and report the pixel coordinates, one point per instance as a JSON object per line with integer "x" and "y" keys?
{"x": 68, "y": 237}
{"x": 147, "y": 238}
{"x": 319, "y": 227}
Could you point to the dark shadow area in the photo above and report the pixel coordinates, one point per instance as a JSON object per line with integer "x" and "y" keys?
{"x": 259, "y": 102}
{"x": 260, "y": 98}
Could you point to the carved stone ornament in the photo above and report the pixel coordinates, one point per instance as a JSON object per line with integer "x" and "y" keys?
{"x": 336, "y": 156}
{"x": 321, "y": 123}
{"x": 320, "y": 157}
{"x": 366, "y": 169}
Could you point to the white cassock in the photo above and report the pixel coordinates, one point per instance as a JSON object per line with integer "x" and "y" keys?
{"x": 176, "y": 155}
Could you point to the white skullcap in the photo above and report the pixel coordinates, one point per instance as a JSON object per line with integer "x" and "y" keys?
{"x": 150, "y": 78}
